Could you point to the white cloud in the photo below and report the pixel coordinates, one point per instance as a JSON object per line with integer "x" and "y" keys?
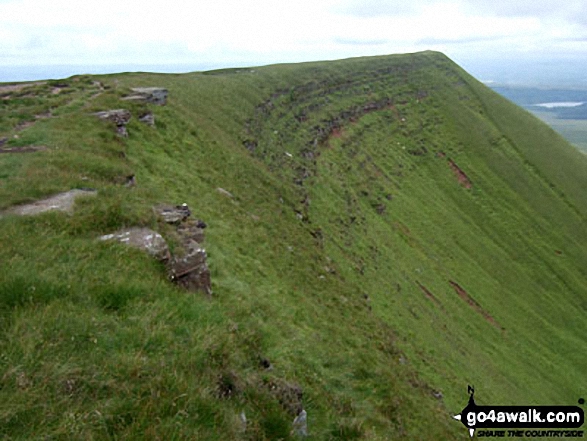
{"x": 233, "y": 31}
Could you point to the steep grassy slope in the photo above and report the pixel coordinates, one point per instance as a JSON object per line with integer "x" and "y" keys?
{"x": 396, "y": 232}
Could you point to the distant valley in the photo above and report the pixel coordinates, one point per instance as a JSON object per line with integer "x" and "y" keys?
{"x": 565, "y": 110}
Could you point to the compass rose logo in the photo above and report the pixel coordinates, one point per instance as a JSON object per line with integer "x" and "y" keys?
{"x": 471, "y": 407}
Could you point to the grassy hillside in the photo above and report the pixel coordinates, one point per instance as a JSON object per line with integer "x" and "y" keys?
{"x": 396, "y": 231}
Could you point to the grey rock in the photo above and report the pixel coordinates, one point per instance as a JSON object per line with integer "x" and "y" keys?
{"x": 144, "y": 239}
{"x": 59, "y": 202}
{"x": 121, "y": 131}
{"x": 300, "y": 425}
{"x": 243, "y": 421}
{"x": 154, "y": 95}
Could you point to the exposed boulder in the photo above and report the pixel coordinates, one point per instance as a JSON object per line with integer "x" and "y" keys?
{"x": 154, "y": 95}
{"x": 120, "y": 117}
{"x": 144, "y": 239}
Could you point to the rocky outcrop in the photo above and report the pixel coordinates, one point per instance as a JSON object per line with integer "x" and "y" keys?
{"x": 144, "y": 239}
{"x": 188, "y": 267}
{"x": 120, "y": 117}
{"x": 153, "y": 95}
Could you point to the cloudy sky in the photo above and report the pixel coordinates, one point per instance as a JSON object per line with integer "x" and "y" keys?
{"x": 220, "y": 33}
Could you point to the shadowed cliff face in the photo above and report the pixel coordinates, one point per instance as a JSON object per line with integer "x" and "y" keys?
{"x": 380, "y": 232}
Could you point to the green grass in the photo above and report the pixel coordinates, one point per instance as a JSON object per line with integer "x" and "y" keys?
{"x": 97, "y": 344}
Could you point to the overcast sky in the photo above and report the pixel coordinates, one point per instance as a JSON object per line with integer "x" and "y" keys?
{"x": 218, "y": 33}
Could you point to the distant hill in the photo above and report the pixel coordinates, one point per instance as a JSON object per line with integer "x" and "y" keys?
{"x": 526, "y": 96}
{"x": 380, "y": 232}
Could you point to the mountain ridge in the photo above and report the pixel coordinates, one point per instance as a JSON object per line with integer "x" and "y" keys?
{"x": 393, "y": 231}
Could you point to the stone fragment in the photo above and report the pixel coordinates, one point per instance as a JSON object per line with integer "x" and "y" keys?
{"x": 144, "y": 239}
{"x": 224, "y": 192}
{"x": 121, "y": 131}
{"x": 148, "y": 118}
{"x": 243, "y": 421}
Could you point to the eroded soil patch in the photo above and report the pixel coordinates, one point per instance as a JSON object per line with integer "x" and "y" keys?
{"x": 429, "y": 295}
{"x": 460, "y": 174}
{"x": 473, "y": 303}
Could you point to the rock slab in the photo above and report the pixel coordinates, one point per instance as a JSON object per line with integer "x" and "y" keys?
{"x": 59, "y": 202}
